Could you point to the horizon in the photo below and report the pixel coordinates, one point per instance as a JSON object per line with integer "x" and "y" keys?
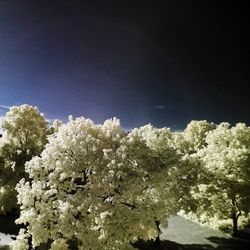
{"x": 65, "y": 121}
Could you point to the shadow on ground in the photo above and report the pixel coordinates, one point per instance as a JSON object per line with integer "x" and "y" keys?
{"x": 222, "y": 244}
{"x": 7, "y": 227}
{"x": 7, "y": 224}
{"x": 169, "y": 245}
{"x": 232, "y": 243}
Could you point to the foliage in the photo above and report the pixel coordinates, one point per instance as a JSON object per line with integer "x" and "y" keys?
{"x": 193, "y": 137}
{"x": 24, "y": 135}
{"x": 223, "y": 192}
{"x": 55, "y": 126}
{"x": 97, "y": 188}
{"x": 188, "y": 143}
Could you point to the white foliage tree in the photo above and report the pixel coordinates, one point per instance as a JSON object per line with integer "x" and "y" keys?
{"x": 96, "y": 188}
{"x": 24, "y": 135}
{"x": 160, "y": 189}
{"x": 224, "y": 191}
{"x": 193, "y": 138}
{"x": 188, "y": 143}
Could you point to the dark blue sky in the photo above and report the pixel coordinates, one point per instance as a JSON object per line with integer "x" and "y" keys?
{"x": 144, "y": 62}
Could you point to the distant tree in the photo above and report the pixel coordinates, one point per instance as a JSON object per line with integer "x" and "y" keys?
{"x": 55, "y": 126}
{"x": 188, "y": 143}
{"x": 224, "y": 191}
{"x": 193, "y": 138}
{"x": 94, "y": 187}
{"x": 24, "y": 136}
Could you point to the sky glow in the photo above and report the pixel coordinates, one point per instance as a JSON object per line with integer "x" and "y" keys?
{"x": 148, "y": 63}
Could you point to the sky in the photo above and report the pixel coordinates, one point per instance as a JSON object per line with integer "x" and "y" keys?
{"x": 164, "y": 63}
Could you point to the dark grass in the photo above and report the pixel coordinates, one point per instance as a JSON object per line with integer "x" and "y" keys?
{"x": 242, "y": 242}
{"x": 4, "y": 248}
{"x": 169, "y": 245}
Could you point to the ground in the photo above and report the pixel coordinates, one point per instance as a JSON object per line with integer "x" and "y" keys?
{"x": 184, "y": 231}
{"x": 8, "y": 230}
{"x": 180, "y": 234}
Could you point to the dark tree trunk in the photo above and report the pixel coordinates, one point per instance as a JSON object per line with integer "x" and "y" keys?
{"x": 157, "y": 240}
{"x": 236, "y": 213}
{"x": 235, "y": 224}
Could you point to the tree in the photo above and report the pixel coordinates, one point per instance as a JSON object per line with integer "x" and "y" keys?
{"x": 160, "y": 190}
{"x": 55, "y": 126}
{"x": 94, "y": 187}
{"x": 224, "y": 191}
{"x": 188, "y": 143}
{"x": 193, "y": 138}
{"x": 24, "y": 135}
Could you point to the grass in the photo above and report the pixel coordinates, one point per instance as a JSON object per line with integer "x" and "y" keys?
{"x": 5, "y": 247}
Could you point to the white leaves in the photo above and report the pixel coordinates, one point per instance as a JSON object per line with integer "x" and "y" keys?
{"x": 224, "y": 159}
{"x": 24, "y": 136}
{"x": 59, "y": 244}
{"x": 21, "y": 241}
{"x": 91, "y": 182}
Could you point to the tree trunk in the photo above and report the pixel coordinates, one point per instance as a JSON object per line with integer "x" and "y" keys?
{"x": 235, "y": 224}
{"x": 236, "y": 213}
{"x": 157, "y": 240}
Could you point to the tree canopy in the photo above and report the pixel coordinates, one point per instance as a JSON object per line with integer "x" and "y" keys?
{"x": 102, "y": 189}
{"x": 24, "y": 136}
{"x": 92, "y": 186}
{"x": 224, "y": 193}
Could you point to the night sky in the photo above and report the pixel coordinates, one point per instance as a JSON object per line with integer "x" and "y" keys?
{"x": 159, "y": 62}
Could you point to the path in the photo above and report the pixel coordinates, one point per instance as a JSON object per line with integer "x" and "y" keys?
{"x": 184, "y": 231}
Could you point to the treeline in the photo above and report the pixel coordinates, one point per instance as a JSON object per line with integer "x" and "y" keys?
{"x": 82, "y": 185}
